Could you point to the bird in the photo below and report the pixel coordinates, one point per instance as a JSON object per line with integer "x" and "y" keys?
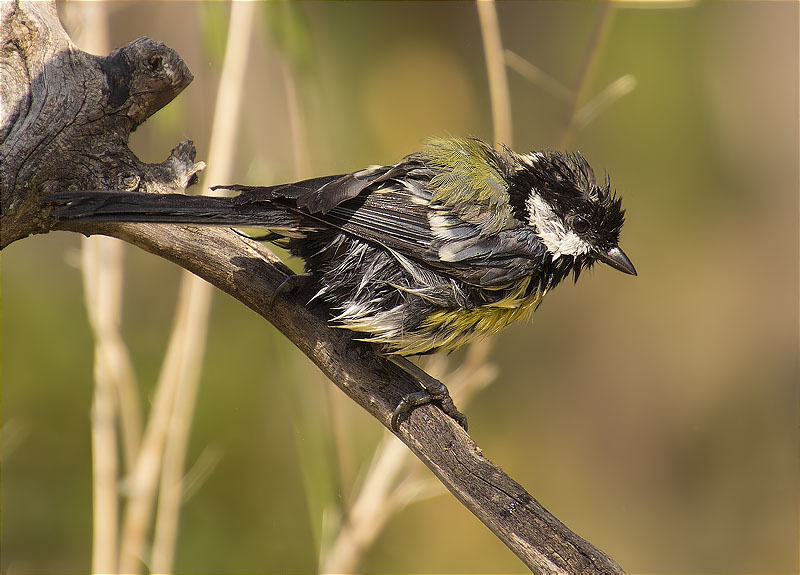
{"x": 452, "y": 243}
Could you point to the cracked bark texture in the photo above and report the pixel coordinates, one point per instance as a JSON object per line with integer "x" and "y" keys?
{"x": 66, "y": 117}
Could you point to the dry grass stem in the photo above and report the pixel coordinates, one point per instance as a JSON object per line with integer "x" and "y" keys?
{"x": 190, "y": 338}
{"x": 101, "y": 268}
{"x": 619, "y": 88}
{"x": 200, "y": 471}
{"x": 496, "y": 69}
{"x": 140, "y": 485}
{"x": 297, "y": 122}
{"x": 324, "y": 438}
{"x": 195, "y": 302}
{"x": 173, "y": 405}
{"x": 395, "y": 479}
{"x": 537, "y": 76}
{"x": 586, "y": 75}
{"x": 370, "y": 510}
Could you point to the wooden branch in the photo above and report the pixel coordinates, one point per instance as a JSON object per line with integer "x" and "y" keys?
{"x": 68, "y": 128}
{"x": 66, "y": 116}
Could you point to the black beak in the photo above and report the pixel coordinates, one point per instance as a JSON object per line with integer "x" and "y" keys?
{"x": 617, "y": 259}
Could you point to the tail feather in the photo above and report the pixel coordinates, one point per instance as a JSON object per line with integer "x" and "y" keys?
{"x": 110, "y": 206}
{"x": 292, "y": 191}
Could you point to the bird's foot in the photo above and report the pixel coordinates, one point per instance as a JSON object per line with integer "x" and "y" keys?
{"x": 433, "y": 391}
{"x": 291, "y": 283}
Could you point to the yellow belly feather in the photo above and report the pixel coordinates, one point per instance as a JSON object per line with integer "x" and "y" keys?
{"x": 447, "y": 329}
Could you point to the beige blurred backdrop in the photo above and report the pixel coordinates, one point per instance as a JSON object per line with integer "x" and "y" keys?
{"x": 656, "y": 416}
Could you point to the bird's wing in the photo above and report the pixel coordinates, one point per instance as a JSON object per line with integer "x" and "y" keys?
{"x": 398, "y": 217}
{"x": 446, "y": 207}
{"x": 471, "y": 218}
{"x": 393, "y": 215}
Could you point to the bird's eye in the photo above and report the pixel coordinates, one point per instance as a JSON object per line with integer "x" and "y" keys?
{"x": 580, "y": 224}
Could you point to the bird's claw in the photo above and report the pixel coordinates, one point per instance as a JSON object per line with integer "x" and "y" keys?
{"x": 410, "y": 401}
{"x": 290, "y": 284}
{"x": 433, "y": 391}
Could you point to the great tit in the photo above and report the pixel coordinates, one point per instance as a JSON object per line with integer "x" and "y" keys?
{"x": 452, "y": 243}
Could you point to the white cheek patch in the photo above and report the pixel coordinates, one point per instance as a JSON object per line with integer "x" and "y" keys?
{"x": 549, "y": 227}
{"x": 570, "y": 245}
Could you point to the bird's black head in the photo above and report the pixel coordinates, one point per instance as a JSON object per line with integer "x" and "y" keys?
{"x": 575, "y": 218}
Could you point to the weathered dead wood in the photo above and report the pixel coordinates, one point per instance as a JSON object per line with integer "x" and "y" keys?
{"x": 65, "y": 124}
{"x": 66, "y": 116}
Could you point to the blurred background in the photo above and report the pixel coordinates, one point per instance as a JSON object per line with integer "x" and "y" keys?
{"x": 656, "y": 416}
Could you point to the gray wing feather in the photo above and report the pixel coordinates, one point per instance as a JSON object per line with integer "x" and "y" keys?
{"x": 390, "y": 217}
{"x": 393, "y": 206}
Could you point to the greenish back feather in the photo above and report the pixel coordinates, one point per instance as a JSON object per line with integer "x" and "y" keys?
{"x": 470, "y": 184}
